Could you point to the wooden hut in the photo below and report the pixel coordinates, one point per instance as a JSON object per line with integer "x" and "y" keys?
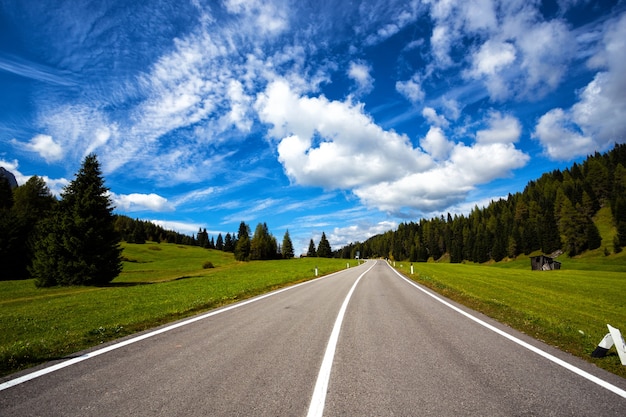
{"x": 544, "y": 263}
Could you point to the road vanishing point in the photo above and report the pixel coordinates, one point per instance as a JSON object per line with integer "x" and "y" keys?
{"x": 365, "y": 341}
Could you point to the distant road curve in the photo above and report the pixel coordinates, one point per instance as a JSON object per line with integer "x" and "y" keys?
{"x": 378, "y": 344}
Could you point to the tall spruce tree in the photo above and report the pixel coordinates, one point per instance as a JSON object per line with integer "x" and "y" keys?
{"x": 323, "y": 249}
{"x": 263, "y": 245}
{"x": 287, "y": 247}
{"x": 311, "y": 252}
{"x": 242, "y": 247}
{"x": 80, "y": 246}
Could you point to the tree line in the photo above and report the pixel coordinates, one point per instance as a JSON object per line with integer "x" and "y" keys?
{"x": 553, "y": 213}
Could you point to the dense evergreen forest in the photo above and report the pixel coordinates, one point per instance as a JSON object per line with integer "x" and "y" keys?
{"x": 553, "y": 213}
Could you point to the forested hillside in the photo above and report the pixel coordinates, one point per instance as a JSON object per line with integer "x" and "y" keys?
{"x": 555, "y": 212}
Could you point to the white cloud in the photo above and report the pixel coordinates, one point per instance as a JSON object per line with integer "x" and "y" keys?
{"x": 436, "y": 144}
{"x": 342, "y": 236}
{"x": 517, "y": 53}
{"x": 267, "y": 16}
{"x": 56, "y": 185}
{"x": 546, "y": 49}
{"x": 597, "y": 119}
{"x": 46, "y": 147}
{"x": 360, "y": 73}
{"x": 490, "y": 59}
{"x": 411, "y": 89}
{"x": 441, "y": 43}
{"x": 479, "y": 15}
{"x": 177, "y": 226}
{"x": 139, "y": 202}
{"x": 449, "y": 182}
{"x": 559, "y": 136}
{"x": 433, "y": 118}
{"x": 502, "y": 129}
{"x": 333, "y": 144}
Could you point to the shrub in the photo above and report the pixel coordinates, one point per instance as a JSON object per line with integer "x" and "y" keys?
{"x": 208, "y": 265}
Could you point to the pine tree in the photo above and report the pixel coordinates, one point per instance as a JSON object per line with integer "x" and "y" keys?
{"x": 80, "y": 245}
{"x": 263, "y": 244}
{"x": 229, "y": 243}
{"x": 219, "y": 244}
{"x": 311, "y": 253}
{"x": 323, "y": 249}
{"x": 287, "y": 247}
{"x": 242, "y": 248}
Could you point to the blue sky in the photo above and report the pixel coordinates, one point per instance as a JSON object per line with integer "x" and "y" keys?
{"x": 325, "y": 116}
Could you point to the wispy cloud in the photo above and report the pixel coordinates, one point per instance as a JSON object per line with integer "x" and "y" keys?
{"x": 35, "y": 71}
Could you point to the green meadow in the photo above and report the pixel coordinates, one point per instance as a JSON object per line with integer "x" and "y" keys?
{"x": 160, "y": 283}
{"x": 568, "y": 308}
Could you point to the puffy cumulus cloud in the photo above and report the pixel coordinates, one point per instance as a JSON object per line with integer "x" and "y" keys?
{"x": 436, "y": 144}
{"x": 449, "y": 182}
{"x": 334, "y": 144}
{"x": 501, "y": 129}
{"x": 560, "y": 137}
{"x": 411, "y": 89}
{"x": 596, "y": 120}
{"x": 491, "y": 57}
{"x": 546, "y": 49}
{"x": 46, "y": 147}
{"x": 359, "y": 71}
{"x": 433, "y": 118}
{"x": 140, "y": 202}
{"x": 488, "y": 62}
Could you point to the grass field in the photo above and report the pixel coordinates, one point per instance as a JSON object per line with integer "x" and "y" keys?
{"x": 159, "y": 283}
{"x": 568, "y": 309}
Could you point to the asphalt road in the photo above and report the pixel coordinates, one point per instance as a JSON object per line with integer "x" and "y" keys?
{"x": 398, "y": 351}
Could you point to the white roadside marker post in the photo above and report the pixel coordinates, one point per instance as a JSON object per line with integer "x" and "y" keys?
{"x": 613, "y": 337}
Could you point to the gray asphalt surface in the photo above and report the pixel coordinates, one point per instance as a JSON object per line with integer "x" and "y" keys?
{"x": 400, "y": 352}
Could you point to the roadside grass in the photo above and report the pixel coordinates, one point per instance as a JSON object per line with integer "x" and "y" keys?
{"x": 568, "y": 309}
{"x": 159, "y": 284}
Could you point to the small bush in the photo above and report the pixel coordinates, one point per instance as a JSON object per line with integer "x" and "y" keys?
{"x": 208, "y": 265}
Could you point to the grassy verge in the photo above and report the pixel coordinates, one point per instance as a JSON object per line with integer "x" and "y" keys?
{"x": 159, "y": 283}
{"x": 568, "y": 309}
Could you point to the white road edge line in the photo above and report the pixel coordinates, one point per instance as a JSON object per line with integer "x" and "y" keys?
{"x": 564, "y": 364}
{"x": 69, "y": 362}
{"x": 318, "y": 400}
